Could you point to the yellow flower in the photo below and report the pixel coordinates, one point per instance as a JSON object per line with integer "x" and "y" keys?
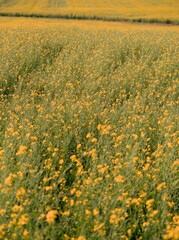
{"x": 135, "y": 159}
{"x": 88, "y": 135}
{"x": 105, "y": 129}
{"x": 170, "y": 204}
{"x": 1, "y": 152}
{"x": 73, "y": 190}
{"x": 176, "y": 219}
{"x": 120, "y": 198}
{"x": 25, "y": 233}
{"x": 8, "y": 181}
{"x": 23, "y": 219}
{"x": 145, "y": 224}
{"x": 93, "y": 140}
{"x": 155, "y": 212}
{"x": 92, "y": 152}
{"x": 99, "y": 126}
{"x": 136, "y": 201}
{"x": 142, "y": 134}
{"x": 21, "y": 150}
{"x": 2, "y": 211}
{"x": 71, "y": 202}
{"x": 146, "y": 167}
{"x": 78, "y": 193}
{"x": 51, "y": 215}
{"x": 149, "y": 203}
{"x": 159, "y": 187}
{"x": 78, "y": 146}
{"x": 28, "y": 135}
{"x": 66, "y": 213}
{"x": 170, "y": 145}
{"x": 87, "y": 212}
{"x": 172, "y": 234}
{"x": 95, "y": 211}
{"x": 48, "y": 188}
{"x": 119, "y": 179}
{"x": 61, "y": 161}
{"x": 113, "y": 218}
{"x": 14, "y": 235}
{"x": 20, "y": 192}
{"x": 81, "y": 238}
{"x": 66, "y": 236}
{"x": 49, "y": 149}
{"x": 73, "y": 157}
{"x": 135, "y": 136}
{"x": 17, "y": 208}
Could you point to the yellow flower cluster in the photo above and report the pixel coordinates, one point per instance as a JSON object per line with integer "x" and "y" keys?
{"x": 51, "y": 215}
{"x": 88, "y": 129}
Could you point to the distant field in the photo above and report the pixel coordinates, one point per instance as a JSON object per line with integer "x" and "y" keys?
{"x": 162, "y": 10}
{"x": 88, "y": 130}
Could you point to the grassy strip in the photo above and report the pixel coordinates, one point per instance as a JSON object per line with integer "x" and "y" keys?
{"x": 83, "y": 17}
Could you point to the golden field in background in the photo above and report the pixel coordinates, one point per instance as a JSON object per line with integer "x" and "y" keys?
{"x": 130, "y": 9}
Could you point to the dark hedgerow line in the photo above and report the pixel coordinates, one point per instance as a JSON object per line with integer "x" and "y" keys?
{"x": 83, "y": 17}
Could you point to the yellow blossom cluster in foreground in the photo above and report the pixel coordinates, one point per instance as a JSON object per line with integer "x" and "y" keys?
{"x": 88, "y": 130}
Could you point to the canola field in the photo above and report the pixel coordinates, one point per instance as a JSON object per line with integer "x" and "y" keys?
{"x": 157, "y": 10}
{"x": 88, "y": 130}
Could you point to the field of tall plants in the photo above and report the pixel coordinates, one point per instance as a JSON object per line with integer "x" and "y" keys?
{"x": 88, "y": 130}
{"x": 153, "y": 10}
